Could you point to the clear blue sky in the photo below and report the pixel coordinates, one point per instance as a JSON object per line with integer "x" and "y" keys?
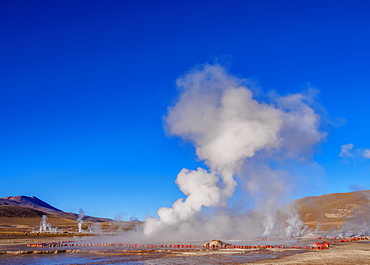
{"x": 84, "y": 87}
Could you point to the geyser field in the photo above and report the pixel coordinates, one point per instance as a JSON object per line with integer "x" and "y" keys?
{"x": 257, "y": 150}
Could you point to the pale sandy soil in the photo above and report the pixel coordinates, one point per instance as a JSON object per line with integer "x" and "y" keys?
{"x": 339, "y": 254}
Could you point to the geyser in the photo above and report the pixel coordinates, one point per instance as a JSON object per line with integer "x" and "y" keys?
{"x": 44, "y": 225}
{"x": 242, "y": 141}
{"x": 79, "y": 220}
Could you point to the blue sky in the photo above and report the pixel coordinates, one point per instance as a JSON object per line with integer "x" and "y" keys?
{"x": 84, "y": 87}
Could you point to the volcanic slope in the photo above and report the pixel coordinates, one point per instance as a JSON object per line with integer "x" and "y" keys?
{"x": 25, "y": 201}
{"x": 37, "y": 204}
{"x": 15, "y": 219}
{"x": 23, "y": 214}
{"x": 335, "y": 209}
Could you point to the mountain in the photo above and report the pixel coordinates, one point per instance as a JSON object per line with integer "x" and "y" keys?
{"x": 31, "y": 202}
{"x": 21, "y": 214}
{"x": 335, "y": 209}
{"x": 19, "y": 211}
{"x": 26, "y": 202}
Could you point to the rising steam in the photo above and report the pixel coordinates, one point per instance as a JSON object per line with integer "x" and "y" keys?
{"x": 241, "y": 140}
{"x": 79, "y": 221}
{"x": 44, "y": 225}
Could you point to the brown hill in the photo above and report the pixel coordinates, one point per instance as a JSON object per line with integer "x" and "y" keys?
{"x": 22, "y": 214}
{"x": 37, "y": 204}
{"x": 332, "y": 210}
{"x": 25, "y": 220}
{"x": 19, "y": 211}
{"x": 8, "y": 202}
{"x": 31, "y": 202}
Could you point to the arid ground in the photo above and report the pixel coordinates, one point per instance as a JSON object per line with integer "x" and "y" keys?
{"x": 20, "y": 219}
{"x": 15, "y": 251}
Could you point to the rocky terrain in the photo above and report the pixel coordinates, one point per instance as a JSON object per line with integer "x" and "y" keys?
{"x": 21, "y": 215}
{"x": 334, "y": 210}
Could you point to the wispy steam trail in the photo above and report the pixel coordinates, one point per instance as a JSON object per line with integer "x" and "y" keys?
{"x": 81, "y": 215}
{"x": 349, "y": 150}
{"x": 345, "y": 150}
{"x": 366, "y": 153}
{"x": 237, "y": 137}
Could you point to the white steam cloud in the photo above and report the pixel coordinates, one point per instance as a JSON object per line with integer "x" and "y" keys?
{"x": 366, "y": 153}
{"x": 345, "y": 150}
{"x": 348, "y": 150}
{"x": 239, "y": 138}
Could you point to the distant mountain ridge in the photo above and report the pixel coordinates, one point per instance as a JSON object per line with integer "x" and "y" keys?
{"x": 32, "y": 202}
{"x": 326, "y": 211}
{"x": 35, "y": 203}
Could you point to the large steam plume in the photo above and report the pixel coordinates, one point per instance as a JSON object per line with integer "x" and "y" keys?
{"x": 238, "y": 138}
